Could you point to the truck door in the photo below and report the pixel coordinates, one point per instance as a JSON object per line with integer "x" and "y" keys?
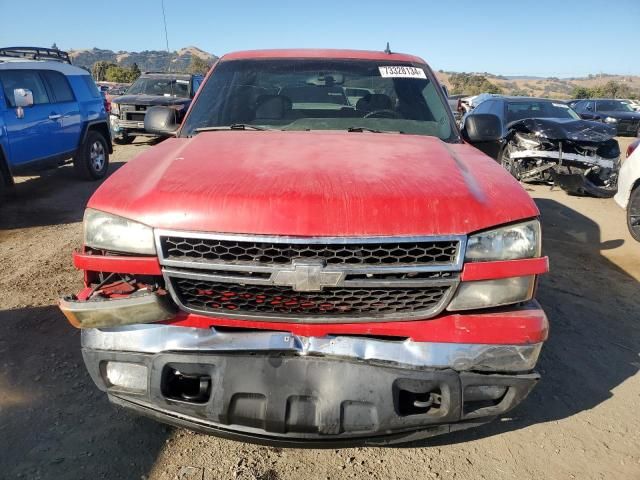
{"x": 29, "y": 134}
{"x": 66, "y": 108}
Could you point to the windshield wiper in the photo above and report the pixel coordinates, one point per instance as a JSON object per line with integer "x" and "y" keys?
{"x": 233, "y": 126}
{"x": 371, "y": 130}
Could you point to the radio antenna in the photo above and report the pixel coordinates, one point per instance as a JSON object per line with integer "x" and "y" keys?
{"x": 387, "y": 50}
{"x": 166, "y": 41}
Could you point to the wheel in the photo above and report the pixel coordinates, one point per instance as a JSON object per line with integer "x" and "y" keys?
{"x": 508, "y": 164}
{"x": 124, "y": 140}
{"x": 633, "y": 213}
{"x": 92, "y": 161}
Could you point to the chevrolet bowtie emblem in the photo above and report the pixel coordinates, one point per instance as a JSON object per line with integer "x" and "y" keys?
{"x": 307, "y": 277}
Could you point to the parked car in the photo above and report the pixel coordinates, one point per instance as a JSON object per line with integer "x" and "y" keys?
{"x": 167, "y": 89}
{"x": 544, "y": 140}
{"x": 455, "y": 104}
{"x": 573, "y": 102}
{"x": 51, "y": 113}
{"x": 310, "y": 272}
{"x": 628, "y": 196}
{"x": 617, "y": 113}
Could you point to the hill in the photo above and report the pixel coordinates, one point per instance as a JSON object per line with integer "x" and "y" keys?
{"x": 148, "y": 60}
{"x": 550, "y": 87}
{"x": 160, "y": 60}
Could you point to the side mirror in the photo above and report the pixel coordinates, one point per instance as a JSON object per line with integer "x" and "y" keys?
{"x": 482, "y": 127}
{"x": 23, "y": 97}
{"x": 161, "y": 121}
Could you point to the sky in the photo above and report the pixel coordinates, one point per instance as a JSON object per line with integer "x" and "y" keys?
{"x": 560, "y": 38}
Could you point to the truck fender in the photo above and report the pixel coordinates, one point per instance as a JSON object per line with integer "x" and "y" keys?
{"x": 102, "y": 127}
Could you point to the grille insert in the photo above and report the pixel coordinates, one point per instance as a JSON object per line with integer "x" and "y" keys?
{"x": 432, "y": 252}
{"x": 224, "y": 298}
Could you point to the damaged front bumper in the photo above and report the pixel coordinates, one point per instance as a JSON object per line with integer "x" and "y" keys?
{"x": 279, "y": 388}
{"x": 575, "y": 173}
{"x": 582, "y": 158}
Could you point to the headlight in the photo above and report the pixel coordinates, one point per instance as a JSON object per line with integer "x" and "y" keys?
{"x": 521, "y": 240}
{"x": 115, "y": 108}
{"x": 528, "y": 143}
{"x": 611, "y": 120}
{"x": 493, "y": 293}
{"x": 110, "y": 232}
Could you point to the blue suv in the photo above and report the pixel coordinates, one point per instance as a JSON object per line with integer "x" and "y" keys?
{"x": 51, "y": 113}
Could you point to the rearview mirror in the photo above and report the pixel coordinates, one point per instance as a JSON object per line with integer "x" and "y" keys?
{"x": 161, "y": 121}
{"x": 23, "y": 97}
{"x": 482, "y": 127}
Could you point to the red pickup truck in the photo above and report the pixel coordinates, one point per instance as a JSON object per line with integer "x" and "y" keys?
{"x": 317, "y": 257}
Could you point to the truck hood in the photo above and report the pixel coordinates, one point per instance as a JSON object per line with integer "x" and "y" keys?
{"x": 150, "y": 100}
{"x": 565, "y": 129}
{"x": 320, "y": 183}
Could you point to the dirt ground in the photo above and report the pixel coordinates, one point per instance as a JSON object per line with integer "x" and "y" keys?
{"x": 581, "y": 422}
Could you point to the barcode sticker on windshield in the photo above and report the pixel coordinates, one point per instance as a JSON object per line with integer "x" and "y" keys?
{"x": 401, "y": 71}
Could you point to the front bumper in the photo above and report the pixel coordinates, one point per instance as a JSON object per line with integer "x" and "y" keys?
{"x": 279, "y": 388}
{"x": 121, "y": 127}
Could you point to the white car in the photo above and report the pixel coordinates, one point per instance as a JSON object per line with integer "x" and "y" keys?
{"x": 628, "y": 196}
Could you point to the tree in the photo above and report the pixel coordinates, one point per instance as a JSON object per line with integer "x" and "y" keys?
{"x": 469, "y": 84}
{"x": 611, "y": 89}
{"x": 99, "y": 70}
{"x": 134, "y": 73}
{"x": 198, "y": 66}
{"x": 121, "y": 74}
{"x": 581, "y": 92}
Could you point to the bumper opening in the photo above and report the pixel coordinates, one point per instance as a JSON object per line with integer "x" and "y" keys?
{"x": 185, "y": 387}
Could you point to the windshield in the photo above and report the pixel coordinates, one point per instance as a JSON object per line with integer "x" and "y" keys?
{"x": 309, "y": 94}
{"x": 614, "y": 106}
{"x": 539, "y": 109}
{"x": 166, "y": 87}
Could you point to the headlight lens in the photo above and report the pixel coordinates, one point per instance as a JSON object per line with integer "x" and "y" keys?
{"x": 493, "y": 293}
{"x": 111, "y": 232}
{"x": 521, "y": 240}
{"x": 611, "y": 120}
{"x": 528, "y": 143}
{"x": 115, "y": 108}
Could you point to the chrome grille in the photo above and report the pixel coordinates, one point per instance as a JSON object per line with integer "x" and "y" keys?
{"x": 221, "y": 298}
{"x": 320, "y": 279}
{"x": 428, "y": 252}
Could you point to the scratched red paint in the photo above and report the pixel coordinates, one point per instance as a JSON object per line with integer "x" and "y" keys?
{"x": 315, "y": 183}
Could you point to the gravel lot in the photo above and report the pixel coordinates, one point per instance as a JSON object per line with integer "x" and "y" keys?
{"x": 581, "y": 422}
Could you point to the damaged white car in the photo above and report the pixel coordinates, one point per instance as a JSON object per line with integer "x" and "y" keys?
{"x": 540, "y": 140}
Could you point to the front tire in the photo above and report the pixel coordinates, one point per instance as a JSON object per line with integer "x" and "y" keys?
{"x": 508, "y": 164}
{"x": 92, "y": 161}
{"x": 633, "y": 213}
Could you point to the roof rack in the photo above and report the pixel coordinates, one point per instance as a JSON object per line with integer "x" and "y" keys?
{"x": 36, "y": 53}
